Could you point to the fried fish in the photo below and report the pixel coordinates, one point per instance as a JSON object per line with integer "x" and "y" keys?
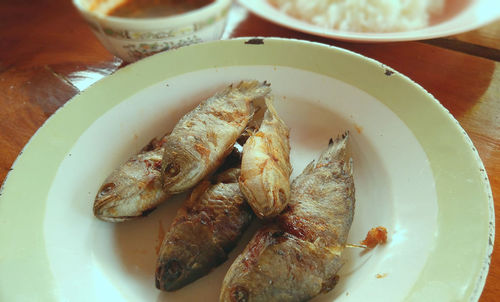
{"x": 297, "y": 256}
{"x": 203, "y": 137}
{"x": 203, "y": 232}
{"x": 134, "y": 189}
{"x": 265, "y": 166}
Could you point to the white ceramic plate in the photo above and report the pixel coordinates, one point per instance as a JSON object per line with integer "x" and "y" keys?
{"x": 416, "y": 173}
{"x": 458, "y": 16}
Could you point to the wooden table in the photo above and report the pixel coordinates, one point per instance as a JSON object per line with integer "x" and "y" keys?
{"x": 48, "y": 54}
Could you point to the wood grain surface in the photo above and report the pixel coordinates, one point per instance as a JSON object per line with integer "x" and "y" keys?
{"x": 48, "y": 54}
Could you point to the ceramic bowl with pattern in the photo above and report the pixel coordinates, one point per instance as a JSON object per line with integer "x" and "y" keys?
{"x": 134, "y": 38}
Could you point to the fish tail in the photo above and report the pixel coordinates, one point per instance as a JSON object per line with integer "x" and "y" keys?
{"x": 337, "y": 147}
{"x": 269, "y": 99}
{"x": 271, "y": 113}
{"x": 254, "y": 89}
{"x": 337, "y": 151}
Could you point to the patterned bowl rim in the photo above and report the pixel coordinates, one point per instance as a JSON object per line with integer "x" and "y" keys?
{"x": 193, "y": 16}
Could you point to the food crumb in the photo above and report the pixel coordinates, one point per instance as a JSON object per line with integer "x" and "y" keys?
{"x": 358, "y": 128}
{"x": 375, "y": 236}
{"x": 161, "y": 236}
{"x": 380, "y": 276}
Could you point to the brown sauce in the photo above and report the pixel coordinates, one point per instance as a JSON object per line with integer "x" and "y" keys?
{"x": 156, "y": 8}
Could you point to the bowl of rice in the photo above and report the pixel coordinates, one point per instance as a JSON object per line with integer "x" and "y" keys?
{"x": 363, "y": 15}
{"x": 378, "y": 20}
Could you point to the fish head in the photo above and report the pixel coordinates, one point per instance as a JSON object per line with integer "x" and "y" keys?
{"x": 236, "y": 293}
{"x": 106, "y": 201}
{"x": 169, "y": 275}
{"x": 132, "y": 190}
{"x": 187, "y": 254}
{"x": 117, "y": 201}
{"x": 181, "y": 169}
{"x": 175, "y": 274}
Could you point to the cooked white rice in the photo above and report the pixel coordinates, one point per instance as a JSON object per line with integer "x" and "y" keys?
{"x": 363, "y": 15}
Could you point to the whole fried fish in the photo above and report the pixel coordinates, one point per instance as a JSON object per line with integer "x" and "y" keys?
{"x": 297, "y": 257}
{"x": 203, "y": 232}
{"x": 134, "y": 189}
{"x": 265, "y": 166}
{"x": 204, "y": 136}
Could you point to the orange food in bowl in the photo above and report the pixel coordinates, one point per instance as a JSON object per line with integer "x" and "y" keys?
{"x": 155, "y": 8}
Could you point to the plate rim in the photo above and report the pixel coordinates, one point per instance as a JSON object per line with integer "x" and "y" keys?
{"x": 25, "y": 163}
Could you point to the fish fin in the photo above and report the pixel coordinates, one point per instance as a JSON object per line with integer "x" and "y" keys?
{"x": 336, "y": 149}
{"x": 269, "y": 100}
{"x": 341, "y": 137}
{"x": 309, "y": 167}
{"x": 271, "y": 112}
{"x": 244, "y": 86}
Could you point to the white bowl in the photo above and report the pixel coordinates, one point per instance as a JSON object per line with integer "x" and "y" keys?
{"x": 132, "y": 39}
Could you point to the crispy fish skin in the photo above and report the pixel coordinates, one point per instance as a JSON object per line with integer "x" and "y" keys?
{"x": 204, "y": 136}
{"x": 297, "y": 256}
{"x": 265, "y": 166}
{"x": 203, "y": 232}
{"x": 134, "y": 189}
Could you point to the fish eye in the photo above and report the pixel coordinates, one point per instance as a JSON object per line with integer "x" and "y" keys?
{"x": 172, "y": 169}
{"x": 173, "y": 269}
{"x": 277, "y": 234}
{"x": 239, "y": 294}
{"x": 105, "y": 189}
